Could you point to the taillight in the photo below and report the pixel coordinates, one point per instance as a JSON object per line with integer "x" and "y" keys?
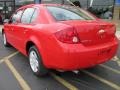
{"x": 114, "y": 29}
{"x": 68, "y": 36}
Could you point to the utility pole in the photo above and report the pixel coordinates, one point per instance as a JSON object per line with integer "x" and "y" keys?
{"x": 62, "y": 1}
{"x": 14, "y": 5}
{"x": 37, "y": 1}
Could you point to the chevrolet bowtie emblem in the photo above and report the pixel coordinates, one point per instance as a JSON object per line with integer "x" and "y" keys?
{"x": 101, "y": 33}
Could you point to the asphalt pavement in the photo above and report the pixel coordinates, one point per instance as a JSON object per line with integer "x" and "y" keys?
{"x": 15, "y": 74}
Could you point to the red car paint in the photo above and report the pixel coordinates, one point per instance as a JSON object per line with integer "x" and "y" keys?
{"x": 57, "y": 52}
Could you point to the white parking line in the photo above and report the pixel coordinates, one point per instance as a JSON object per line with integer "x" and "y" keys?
{"x": 19, "y": 78}
{"x": 110, "y": 68}
{"x": 117, "y": 60}
{"x": 64, "y": 82}
{"x": 25, "y": 86}
{"x": 115, "y": 86}
{"x": 7, "y": 57}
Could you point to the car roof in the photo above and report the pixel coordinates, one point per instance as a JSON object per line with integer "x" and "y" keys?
{"x": 39, "y": 5}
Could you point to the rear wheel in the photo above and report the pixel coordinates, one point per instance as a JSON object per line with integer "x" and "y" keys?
{"x": 6, "y": 44}
{"x": 35, "y": 61}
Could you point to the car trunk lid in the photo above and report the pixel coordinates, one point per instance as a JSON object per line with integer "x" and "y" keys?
{"x": 93, "y": 32}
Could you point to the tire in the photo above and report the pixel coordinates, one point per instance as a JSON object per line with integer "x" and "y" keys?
{"x": 5, "y": 43}
{"x": 35, "y": 62}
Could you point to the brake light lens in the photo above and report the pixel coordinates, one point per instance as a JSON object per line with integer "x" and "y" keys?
{"x": 68, "y": 36}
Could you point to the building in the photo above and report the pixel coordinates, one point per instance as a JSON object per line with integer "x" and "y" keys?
{"x": 98, "y": 7}
{"x": 7, "y": 7}
{"x": 116, "y": 15}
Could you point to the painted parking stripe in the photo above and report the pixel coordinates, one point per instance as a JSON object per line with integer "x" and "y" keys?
{"x": 7, "y": 57}
{"x": 110, "y": 68}
{"x": 117, "y": 60}
{"x": 115, "y": 86}
{"x": 23, "y": 83}
{"x": 64, "y": 82}
{"x": 19, "y": 78}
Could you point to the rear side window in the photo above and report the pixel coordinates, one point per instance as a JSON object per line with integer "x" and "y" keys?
{"x": 27, "y": 15}
{"x": 63, "y": 13}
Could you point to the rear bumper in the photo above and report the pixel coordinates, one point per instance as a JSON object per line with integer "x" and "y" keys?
{"x": 72, "y": 57}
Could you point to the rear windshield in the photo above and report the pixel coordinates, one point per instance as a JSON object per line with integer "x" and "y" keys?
{"x": 63, "y": 13}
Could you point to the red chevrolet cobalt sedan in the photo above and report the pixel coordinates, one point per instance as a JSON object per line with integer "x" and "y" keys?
{"x": 60, "y": 37}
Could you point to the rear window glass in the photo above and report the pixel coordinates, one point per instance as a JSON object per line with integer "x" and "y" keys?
{"x": 63, "y": 13}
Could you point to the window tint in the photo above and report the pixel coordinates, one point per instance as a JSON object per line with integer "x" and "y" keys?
{"x": 34, "y": 16}
{"x": 16, "y": 17}
{"x": 69, "y": 13}
{"x": 27, "y": 15}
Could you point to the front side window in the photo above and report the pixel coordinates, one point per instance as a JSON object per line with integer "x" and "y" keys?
{"x": 62, "y": 13}
{"x": 16, "y": 17}
{"x": 27, "y": 15}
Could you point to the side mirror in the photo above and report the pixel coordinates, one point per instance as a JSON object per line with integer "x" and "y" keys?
{"x": 6, "y": 21}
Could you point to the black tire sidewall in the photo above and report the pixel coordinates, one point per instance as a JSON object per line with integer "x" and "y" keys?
{"x": 41, "y": 68}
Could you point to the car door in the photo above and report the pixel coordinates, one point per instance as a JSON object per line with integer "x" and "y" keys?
{"x": 13, "y": 26}
{"x": 23, "y": 28}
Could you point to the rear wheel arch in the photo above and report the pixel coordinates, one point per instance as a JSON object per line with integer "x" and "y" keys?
{"x": 31, "y": 43}
{"x": 36, "y": 62}
{"x": 28, "y": 45}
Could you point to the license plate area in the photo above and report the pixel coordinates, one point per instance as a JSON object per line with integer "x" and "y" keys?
{"x": 104, "y": 52}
